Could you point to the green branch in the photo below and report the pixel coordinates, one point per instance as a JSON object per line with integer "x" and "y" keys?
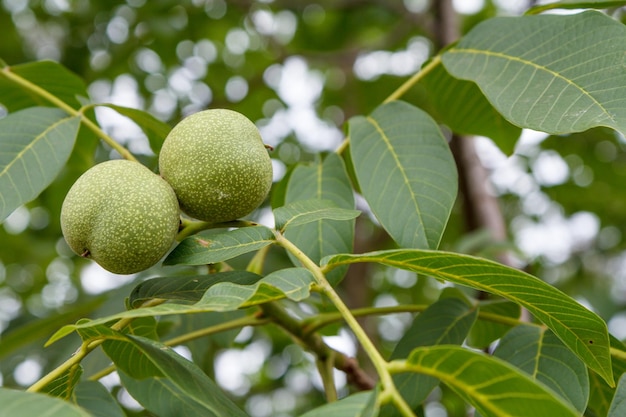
{"x": 34, "y": 88}
{"x": 325, "y": 369}
{"x": 327, "y": 358}
{"x": 618, "y": 353}
{"x": 390, "y": 392}
{"x": 85, "y": 348}
{"x": 314, "y": 343}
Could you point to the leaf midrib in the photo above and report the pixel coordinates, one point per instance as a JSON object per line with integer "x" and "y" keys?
{"x": 405, "y": 178}
{"x": 304, "y": 214}
{"x": 452, "y": 379}
{"x": 225, "y": 247}
{"x": 30, "y": 145}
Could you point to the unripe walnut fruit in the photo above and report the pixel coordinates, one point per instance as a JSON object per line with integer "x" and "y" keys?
{"x": 217, "y": 164}
{"x": 121, "y": 215}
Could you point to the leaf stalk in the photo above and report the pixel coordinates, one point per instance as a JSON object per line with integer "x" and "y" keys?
{"x": 408, "y": 84}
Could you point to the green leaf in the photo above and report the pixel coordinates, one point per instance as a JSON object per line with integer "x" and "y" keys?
{"x": 618, "y": 405}
{"x": 293, "y": 283}
{"x": 601, "y": 394}
{"x": 308, "y": 211}
{"x": 155, "y": 130}
{"x": 204, "y": 349}
{"x": 324, "y": 180}
{"x": 130, "y": 360}
{"x": 580, "y": 329}
{"x": 461, "y": 106}
{"x": 95, "y": 398}
{"x": 556, "y": 74}
{"x": 217, "y": 247}
{"x": 491, "y": 385}
{"x": 21, "y": 403}
{"x": 186, "y": 288}
{"x": 125, "y": 355}
{"x": 95, "y": 331}
{"x": 35, "y": 144}
{"x": 362, "y": 404}
{"x": 144, "y": 326}
{"x": 50, "y": 76}
{"x": 406, "y": 172}
{"x": 539, "y": 353}
{"x": 183, "y": 390}
{"x": 576, "y": 4}
{"x": 485, "y": 332}
{"x": 279, "y": 189}
{"x": 63, "y": 386}
{"x": 447, "y": 321}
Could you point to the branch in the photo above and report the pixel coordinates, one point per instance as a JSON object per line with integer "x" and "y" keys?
{"x": 314, "y": 343}
{"x": 389, "y": 393}
{"x": 85, "y": 348}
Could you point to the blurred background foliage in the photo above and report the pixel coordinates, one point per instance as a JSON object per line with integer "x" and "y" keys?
{"x": 299, "y": 69}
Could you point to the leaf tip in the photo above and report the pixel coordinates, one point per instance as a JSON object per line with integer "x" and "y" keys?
{"x": 60, "y": 334}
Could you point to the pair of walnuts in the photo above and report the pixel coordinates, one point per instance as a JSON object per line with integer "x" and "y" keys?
{"x": 213, "y": 166}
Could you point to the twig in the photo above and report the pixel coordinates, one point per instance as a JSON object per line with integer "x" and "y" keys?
{"x": 389, "y": 391}
{"x": 314, "y": 343}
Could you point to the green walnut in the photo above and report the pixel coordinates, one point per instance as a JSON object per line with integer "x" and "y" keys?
{"x": 217, "y": 164}
{"x": 121, "y": 215}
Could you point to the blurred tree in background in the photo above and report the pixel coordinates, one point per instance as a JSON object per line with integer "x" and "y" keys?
{"x": 299, "y": 69}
